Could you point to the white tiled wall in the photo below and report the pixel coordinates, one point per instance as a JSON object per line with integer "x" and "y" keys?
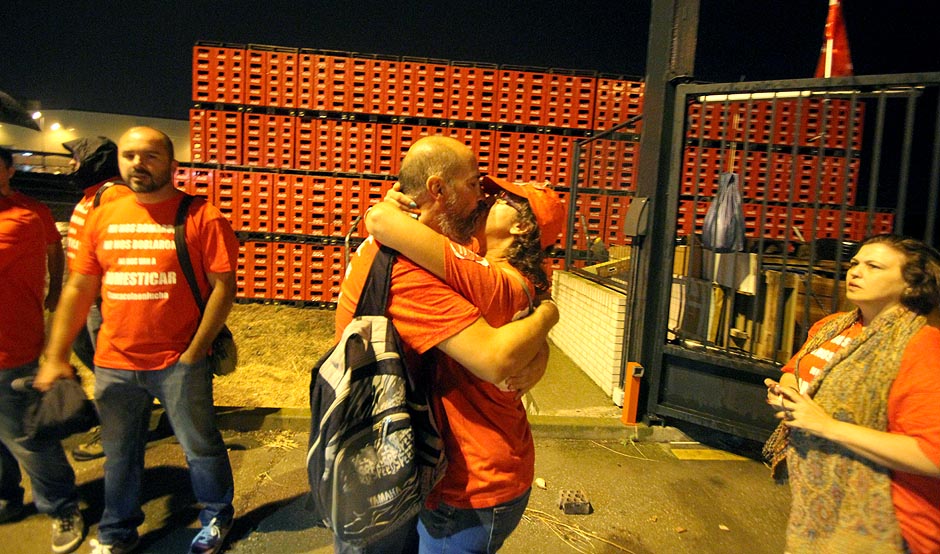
{"x": 590, "y": 328}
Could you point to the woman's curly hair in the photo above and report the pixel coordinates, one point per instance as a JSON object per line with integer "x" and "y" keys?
{"x": 526, "y": 253}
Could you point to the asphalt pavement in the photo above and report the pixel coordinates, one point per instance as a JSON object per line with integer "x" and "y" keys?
{"x": 652, "y": 490}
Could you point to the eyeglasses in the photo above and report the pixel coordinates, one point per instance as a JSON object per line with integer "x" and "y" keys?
{"x": 506, "y": 198}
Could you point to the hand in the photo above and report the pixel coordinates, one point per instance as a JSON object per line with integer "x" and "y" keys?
{"x": 530, "y": 375}
{"x": 802, "y": 412}
{"x": 49, "y": 371}
{"x": 401, "y": 201}
{"x": 190, "y": 358}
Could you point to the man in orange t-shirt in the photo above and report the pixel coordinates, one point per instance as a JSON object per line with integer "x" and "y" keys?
{"x": 153, "y": 341}
{"x": 23, "y": 241}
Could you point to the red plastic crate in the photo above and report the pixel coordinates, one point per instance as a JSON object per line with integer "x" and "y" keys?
{"x": 612, "y": 232}
{"x": 290, "y": 271}
{"x": 282, "y": 78}
{"x": 202, "y": 182}
{"x": 570, "y": 100}
{"x": 197, "y": 135}
{"x": 323, "y": 81}
{"x": 522, "y": 96}
{"x": 617, "y": 99}
{"x": 253, "y": 274}
{"x": 374, "y": 85}
{"x": 287, "y": 203}
{"x": 559, "y": 153}
{"x": 218, "y": 74}
{"x": 225, "y": 194}
{"x": 424, "y": 87}
{"x": 472, "y": 92}
{"x": 326, "y": 272}
{"x": 317, "y": 214}
{"x": 181, "y": 179}
{"x": 223, "y": 137}
{"x": 521, "y": 156}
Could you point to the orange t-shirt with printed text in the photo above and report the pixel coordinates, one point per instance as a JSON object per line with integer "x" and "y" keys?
{"x": 148, "y": 311}
{"x": 82, "y": 210}
{"x": 913, "y": 410}
{"x": 23, "y": 240}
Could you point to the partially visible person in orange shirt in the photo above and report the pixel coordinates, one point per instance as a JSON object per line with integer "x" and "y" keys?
{"x": 25, "y": 234}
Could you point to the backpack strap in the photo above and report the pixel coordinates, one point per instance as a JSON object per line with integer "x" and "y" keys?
{"x": 182, "y": 252}
{"x": 102, "y": 189}
{"x": 374, "y": 297}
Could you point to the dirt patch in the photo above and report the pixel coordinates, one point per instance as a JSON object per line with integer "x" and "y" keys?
{"x": 277, "y": 346}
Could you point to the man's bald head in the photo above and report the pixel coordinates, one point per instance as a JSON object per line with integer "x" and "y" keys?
{"x": 439, "y": 156}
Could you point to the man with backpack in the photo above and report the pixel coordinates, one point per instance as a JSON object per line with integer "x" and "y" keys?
{"x": 438, "y": 327}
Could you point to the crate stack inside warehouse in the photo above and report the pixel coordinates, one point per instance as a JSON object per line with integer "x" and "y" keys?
{"x": 293, "y": 145}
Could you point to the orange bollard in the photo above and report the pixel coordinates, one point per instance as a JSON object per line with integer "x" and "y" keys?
{"x": 631, "y": 392}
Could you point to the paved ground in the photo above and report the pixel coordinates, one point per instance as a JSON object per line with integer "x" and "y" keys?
{"x": 653, "y": 490}
{"x": 647, "y": 497}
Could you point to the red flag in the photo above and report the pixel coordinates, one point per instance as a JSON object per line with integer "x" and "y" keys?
{"x": 834, "y": 57}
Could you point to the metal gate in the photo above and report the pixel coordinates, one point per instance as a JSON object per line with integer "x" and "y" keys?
{"x": 820, "y": 164}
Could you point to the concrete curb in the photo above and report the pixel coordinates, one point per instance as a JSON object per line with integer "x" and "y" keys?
{"x": 556, "y": 427}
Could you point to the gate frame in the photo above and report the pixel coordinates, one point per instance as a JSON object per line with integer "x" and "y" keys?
{"x": 676, "y": 373}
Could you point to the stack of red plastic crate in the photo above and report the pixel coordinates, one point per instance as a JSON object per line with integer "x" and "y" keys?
{"x": 294, "y": 144}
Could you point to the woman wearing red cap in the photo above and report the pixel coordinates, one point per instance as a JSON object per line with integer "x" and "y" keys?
{"x": 488, "y": 442}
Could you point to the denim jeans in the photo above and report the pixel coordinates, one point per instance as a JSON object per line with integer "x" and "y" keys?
{"x": 469, "y": 531}
{"x": 125, "y": 399}
{"x": 43, "y": 460}
{"x": 403, "y": 540}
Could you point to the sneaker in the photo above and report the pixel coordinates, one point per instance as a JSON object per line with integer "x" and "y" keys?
{"x": 10, "y": 510}
{"x": 91, "y": 449}
{"x": 68, "y": 530}
{"x": 210, "y": 538}
{"x": 120, "y": 547}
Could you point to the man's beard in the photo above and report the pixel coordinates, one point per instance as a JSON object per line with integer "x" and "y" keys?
{"x": 146, "y": 183}
{"x": 456, "y": 227}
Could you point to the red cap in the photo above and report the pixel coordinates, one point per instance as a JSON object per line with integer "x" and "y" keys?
{"x": 545, "y": 204}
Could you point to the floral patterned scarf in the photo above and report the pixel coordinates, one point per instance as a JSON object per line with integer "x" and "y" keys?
{"x": 840, "y": 501}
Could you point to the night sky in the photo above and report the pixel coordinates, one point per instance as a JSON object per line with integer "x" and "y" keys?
{"x": 136, "y": 57}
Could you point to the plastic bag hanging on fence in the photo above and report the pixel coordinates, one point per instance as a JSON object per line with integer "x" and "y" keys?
{"x": 723, "y": 230}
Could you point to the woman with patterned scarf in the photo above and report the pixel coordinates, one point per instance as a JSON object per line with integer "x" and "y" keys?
{"x": 860, "y": 411}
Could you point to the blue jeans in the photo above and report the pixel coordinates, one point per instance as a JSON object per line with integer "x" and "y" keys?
{"x": 124, "y": 399}
{"x": 467, "y": 531}
{"x": 43, "y": 460}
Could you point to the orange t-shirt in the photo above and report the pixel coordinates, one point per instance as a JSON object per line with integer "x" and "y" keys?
{"x": 45, "y": 215}
{"x": 22, "y": 283}
{"x": 488, "y": 441}
{"x": 148, "y": 311}
{"x": 913, "y": 410}
{"x": 83, "y": 209}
